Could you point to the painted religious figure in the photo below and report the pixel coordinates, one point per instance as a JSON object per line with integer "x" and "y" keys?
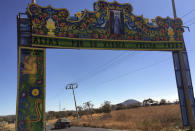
{"x": 116, "y": 22}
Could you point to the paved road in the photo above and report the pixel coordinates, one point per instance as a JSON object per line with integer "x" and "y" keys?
{"x": 49, "y": 128}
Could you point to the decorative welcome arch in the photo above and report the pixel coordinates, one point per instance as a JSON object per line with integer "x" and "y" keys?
{"x": 111, "y": 26}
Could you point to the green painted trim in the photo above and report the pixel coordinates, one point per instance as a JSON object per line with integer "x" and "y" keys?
{"x": 56, "y": 42}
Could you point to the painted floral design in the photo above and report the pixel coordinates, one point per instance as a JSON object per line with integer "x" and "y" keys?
{"x": 87, "y": 24}
{"x": 35, "y": 92}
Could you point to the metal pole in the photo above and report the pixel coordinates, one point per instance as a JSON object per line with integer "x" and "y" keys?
{"x": 186, "y": 104}
{"x": 75, "y": 102}
{"x": 174, "y": 9}
{"x": 59, "y": 106}
{"x": 71, "y": 86}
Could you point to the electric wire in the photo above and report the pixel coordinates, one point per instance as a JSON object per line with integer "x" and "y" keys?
{"x": 189, "y": 20}
{"x": 123, "y": 75}
{"x": 131, "y": 72}
{"x": 188, "y": 13}
{"x": 118, "y": 77}
{"x": 92, "y": 74}
{"x": 108, "y": 66}
{"x": 100, "y": 66}
{"x": 132, "y": 1}
{"x": 105, "y": 65}
{"x": 191, "y": 23}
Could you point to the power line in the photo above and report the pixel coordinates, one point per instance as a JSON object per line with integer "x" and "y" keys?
{"x": 59, "y": 106}
{"x": 58, "y": 94}
{"x": 92, "y": 74}
{"x": 132, "y": 1}
{"x": 189, "y": 20}
{"x": 190, "y": 51}
{"x": 191, "y": 23}
{"x": 130, "y": 72}
{"x": 188, "y": 13}
{"x": 54, "y": 97}
{"x": 88, "y": 74}
{"x": 104, "y": 68}
{"x": 122, "y": 75}
{"x": 100, "y": 66}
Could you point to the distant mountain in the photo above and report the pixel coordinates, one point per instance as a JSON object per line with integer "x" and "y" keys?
{"x": 130, "y": 102}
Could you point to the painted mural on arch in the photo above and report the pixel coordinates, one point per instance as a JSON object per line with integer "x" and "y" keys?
{"x": 108, "y": 21}
{"x": 31, "y": 90}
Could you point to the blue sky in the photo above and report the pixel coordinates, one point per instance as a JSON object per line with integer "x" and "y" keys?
{"x": 102, "y": 75}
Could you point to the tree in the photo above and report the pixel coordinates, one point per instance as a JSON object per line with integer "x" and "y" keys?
{"x": 176, "y": 101}
{"x": 80, "y": 110}
{"x": 97, "y": 110}
{"x": 163, "y": 102}
{"x": 51, "y": 115}
{"x": 106, "y": 107}
{"x": 135, "y": 105}
{"x": 88, "y": 106}
{"x": 120, "y": 107}
{"x": 149, "y": 102}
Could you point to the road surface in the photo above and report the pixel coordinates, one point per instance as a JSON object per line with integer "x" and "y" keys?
{"x": 49, "y": 128}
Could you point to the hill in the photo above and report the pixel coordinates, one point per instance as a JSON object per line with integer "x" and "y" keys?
{"x": 130, "y": 102}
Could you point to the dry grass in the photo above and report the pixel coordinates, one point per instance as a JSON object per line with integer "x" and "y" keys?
{"x": 51, "y": 122}
{"x": 11, "y": 127}
{"x": 8, "y": 127}
{"x": 155, "y": 118}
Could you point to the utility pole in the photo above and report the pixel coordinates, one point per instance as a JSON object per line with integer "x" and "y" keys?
{"x": 59, "y": 106}
{"x": 73, "y": 86}
{"x": 184, "y": 84}
{"x": 174, "y": 9}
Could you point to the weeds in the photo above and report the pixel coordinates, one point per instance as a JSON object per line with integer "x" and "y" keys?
{"x": 154, "y": 118}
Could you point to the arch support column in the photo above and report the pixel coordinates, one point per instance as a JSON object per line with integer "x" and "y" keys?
{"x": 30, "y": 112}
{"x": 185, "y": 88}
